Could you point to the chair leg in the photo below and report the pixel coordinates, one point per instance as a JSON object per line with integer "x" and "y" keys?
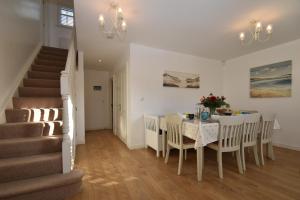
{"x": 243, "y": 158}
{"x": 261, "y": 153}
{"x": 180, "y": 161}
{"x": 239, "y": 161}
{"x": 157, "y": 153}
{"x": 220, "y": 166}
{"x": 270, "y": 151}
{"x": 256, "y": 155}
{"x": 185, "y": 154}
{"x": 167, "y": 154}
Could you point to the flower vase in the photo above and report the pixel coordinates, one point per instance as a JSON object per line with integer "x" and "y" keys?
{"x": 212, "y": 111}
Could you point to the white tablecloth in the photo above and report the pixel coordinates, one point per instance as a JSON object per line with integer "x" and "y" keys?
{"x": 202, "y": 132}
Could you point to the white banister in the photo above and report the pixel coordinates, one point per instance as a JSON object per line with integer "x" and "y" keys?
{"x": 67, "y": 82}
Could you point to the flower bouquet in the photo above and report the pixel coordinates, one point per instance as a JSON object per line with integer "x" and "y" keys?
{"x": 213, "y": 102}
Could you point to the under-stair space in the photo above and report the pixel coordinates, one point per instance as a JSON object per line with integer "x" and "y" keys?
{"x": 31, "y": 140}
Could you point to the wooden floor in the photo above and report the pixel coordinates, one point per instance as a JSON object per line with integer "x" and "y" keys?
{"x": 114, "y": 172}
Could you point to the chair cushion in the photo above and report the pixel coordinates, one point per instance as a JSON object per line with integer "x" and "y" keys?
{"x": 213, "y": 146}
{"x": 187, "y": 140}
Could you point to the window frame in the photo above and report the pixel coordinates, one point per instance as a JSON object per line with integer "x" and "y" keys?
{"x": 59, "y": 16}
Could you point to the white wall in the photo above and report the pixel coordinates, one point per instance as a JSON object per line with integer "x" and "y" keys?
{"x": 20, "y": 37}
{"x": 98, "y": 114}
{"x": 146, "y": 91}
{"x": 55, "y": 34}
{"x": 237, "y": 86}
{"x": 80, "y": 139}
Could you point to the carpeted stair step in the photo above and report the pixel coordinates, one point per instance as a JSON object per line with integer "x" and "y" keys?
{"x": 54, "y": 53}
{"x": 47, "y": 48}
{"x": 53, "y": 128}
{"x": 21, "y": 130}
{"x": 47, "y": 68}
{"x": 39, "y": 92}
{"x": 33, "y": 115}
{"x": 50, "y": 62}
{"x": 19, "y": 147}
{"x": 43, "y": 83}
{"x": 37, "y": 102}
{"x": 13, "y": 169}
{"x": 43, "y": 75}
{"x": 52, "y": 187}
{"x": 45, "y": 56}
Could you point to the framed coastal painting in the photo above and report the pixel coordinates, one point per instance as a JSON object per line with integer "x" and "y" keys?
{"x": 274, "y": 80}
{"x": 181, "y": 80}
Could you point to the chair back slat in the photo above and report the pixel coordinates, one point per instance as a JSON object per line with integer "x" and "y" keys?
{"x": 251, "y": 128}
{"x": 231, "y": 131}
{"x": 267, "y": 126}
{"x": 174, "y": 128}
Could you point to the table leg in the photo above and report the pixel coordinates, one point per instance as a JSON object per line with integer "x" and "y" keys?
{"x": 199, "y": 163}
{"x": 163, "y": 143}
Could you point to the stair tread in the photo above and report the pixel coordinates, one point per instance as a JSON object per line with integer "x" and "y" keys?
{"x": 15, "y": 188}
{"x": 41, "y": 83}
{"x": 37, "y": 102}
{"x": 6, "y": 162}
{"x": 54, "y": 48}
{"x": 39, "y": 92}
{"x": 29, "y": 139}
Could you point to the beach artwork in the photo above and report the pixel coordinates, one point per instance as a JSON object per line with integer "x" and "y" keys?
{"x": 274, "y": 80}
{"x": 181, "y": 80}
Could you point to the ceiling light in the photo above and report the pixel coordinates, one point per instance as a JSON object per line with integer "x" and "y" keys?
{"x": 256, "y": 33}
{"x": 116, "y": 25}
{"x": 99, "y": 61}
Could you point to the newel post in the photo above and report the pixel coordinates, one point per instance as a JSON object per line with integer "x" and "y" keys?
{"x": 66, "y": 144}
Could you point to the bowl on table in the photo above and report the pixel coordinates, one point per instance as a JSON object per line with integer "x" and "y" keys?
{"x": 190, "y": 116}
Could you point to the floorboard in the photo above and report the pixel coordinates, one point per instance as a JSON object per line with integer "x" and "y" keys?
{"x": 114, "y": 172}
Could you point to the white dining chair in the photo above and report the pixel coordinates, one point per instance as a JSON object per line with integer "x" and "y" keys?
{"x": 175, "y": 138}
{"x": 251, "y": 129}
{"x": 152, "y": 137}
{"x": 265, "y": 136}
{"x": 230, "y": 137}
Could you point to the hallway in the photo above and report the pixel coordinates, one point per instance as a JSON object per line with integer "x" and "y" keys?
{"x": 114, "y": 172}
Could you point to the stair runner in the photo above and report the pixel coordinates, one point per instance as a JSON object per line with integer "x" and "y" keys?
{"x": 31, "y": 140}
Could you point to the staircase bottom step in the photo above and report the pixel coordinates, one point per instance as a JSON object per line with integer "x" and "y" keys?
{"x": 53, "y": 187}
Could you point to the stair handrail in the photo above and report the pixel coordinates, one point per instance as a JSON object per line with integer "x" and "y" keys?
{"x": 67, "y": 82}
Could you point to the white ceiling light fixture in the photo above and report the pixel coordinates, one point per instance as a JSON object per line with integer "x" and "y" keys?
{"x": 114, "y": 25}
{"x": 256, "y": 33}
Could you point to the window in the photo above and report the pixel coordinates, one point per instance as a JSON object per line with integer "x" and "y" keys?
{"x": 66, "y": 17}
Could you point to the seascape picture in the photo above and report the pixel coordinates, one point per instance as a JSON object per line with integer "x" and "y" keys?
{"x": 274, "y": 80}
{"x": 181, "y": 80}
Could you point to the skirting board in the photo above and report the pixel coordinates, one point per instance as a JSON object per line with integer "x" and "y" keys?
{"x": 19, "y": 77}
{"x": 286, "y": 146}
{"x": 136, "y": 146}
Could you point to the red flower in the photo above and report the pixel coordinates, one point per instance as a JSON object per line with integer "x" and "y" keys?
{"x": 213, "y": 98}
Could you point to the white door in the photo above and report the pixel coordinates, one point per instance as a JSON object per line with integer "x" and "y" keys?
{"x": 120, "y": 105}
{"x": 97, "y": 98}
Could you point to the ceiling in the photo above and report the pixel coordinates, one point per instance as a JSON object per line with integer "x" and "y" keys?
{"x": 204, "y": 28}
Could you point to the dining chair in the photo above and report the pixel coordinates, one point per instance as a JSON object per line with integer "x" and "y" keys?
{"x": 229, "y": 140}
{"x": 251, "y": 129}
{"x": 152, "y": 137}
{"x": 175, "y": 138}
{"x": 265, "y": 136}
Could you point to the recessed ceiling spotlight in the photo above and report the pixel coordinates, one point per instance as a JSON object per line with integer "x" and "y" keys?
{"x": 99, "y": 61}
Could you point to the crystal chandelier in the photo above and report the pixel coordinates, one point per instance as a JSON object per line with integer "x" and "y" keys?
{"x": 256, "y": 33}
{"x": 114, "y": 25}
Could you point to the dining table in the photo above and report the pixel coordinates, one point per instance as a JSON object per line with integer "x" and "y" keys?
{"x": 203, "y": 132}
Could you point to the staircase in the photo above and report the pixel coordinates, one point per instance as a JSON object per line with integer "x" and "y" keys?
{"x": 31, "y": 140}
